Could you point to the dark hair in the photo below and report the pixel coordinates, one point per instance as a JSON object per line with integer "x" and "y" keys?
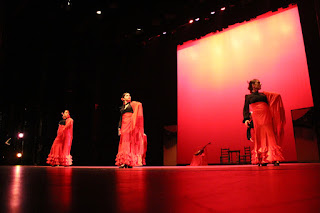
{"x": 124, "y": 94}
{"x": 253, "y": 81}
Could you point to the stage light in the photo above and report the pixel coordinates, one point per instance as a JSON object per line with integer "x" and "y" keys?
{"x": 191, "y": 21}
{"x": 19, "y": 155}
{"x": 197, "y": 19}
{"x": 139, "y": 31}
{"x": 164, "y": 33}
{"x": 223, "y": 8}
{"x": 99, "y": 12}
{"x": 212, "y": 13}
{"x": 20, "y": 135}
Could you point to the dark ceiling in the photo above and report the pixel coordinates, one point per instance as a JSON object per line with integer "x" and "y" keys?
{"x": 148, "y": 15}
{"x": 119, "y": 18}
{"x": 64, "y": 20}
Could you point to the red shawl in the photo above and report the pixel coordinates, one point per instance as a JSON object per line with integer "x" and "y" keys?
{"x": 137, "y": 128}
{"x": 278, "y": 114}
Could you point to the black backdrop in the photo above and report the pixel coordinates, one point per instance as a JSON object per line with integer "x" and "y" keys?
{"x": 56, "y": 61}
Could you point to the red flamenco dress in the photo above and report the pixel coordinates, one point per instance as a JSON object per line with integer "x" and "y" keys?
{"x": 133, "y": 142}
{"x": 268, "y": 118}
{"x": 60, "y": 150}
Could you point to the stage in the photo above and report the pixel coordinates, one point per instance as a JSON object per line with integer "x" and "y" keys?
{"x": 291, "y": 187}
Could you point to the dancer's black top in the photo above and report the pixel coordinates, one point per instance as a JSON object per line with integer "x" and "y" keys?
{"x": 250, "y": 99}
{"x": 124, "y": 110}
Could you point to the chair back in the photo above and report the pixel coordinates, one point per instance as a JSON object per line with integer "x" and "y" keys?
{"x": 247, "y": 150}
{"x": 225, "y": 157}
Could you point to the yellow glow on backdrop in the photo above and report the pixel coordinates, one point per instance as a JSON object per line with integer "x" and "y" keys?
{"x": 213, "y": 74}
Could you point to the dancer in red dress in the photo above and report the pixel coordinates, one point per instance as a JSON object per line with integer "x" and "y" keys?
{"x": 60, "y": 150}
{"x": 133, "y": 142}
{"x": 268, "y": 119}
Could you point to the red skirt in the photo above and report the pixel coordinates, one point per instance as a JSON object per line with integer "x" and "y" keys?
{"x": 131, "y": 150}
{"x": 60, "y": 150}
{"x": 266, "y": 149}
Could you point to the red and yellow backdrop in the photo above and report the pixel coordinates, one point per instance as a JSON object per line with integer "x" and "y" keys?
{"x": 212, "y": 82}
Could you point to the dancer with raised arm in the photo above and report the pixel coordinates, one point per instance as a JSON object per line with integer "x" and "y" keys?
{"x": 268, "y": 117}
{"x": 133, "y": 142}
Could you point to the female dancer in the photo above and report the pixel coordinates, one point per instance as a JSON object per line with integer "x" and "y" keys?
{"x": 133, "y": 142}
{"x": 60, "y": 150}
{"x": 268, "y": 119}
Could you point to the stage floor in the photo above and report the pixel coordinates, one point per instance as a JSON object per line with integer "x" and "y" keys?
{"x": 244, "y": 188}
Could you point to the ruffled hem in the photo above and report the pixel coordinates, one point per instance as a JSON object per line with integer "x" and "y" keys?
{"x": 129, "y": 159}
{"x": 275, "y": 154}
{"x": 255, "y": 157}
{"x": 267, "y": 155}
{"x": 124, "y": 158}
{"x": 56, "y": 160}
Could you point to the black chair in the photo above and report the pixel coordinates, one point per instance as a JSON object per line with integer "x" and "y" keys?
{"x": 225, "y": 157}
{"x": 234, "y": 156}
{"x": 246, "y": 158}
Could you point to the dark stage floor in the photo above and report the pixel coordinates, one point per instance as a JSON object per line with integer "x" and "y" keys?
{"x": 288, "y": 188}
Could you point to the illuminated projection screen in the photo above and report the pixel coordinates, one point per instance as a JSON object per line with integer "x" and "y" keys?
{"x": 212, "y": 82}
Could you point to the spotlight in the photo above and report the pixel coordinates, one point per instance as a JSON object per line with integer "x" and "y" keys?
{"x": 213, "y": 12}
{"x": 164, "y": 33}
{"x": 99, "y": 12}
{"x": 223, "y": 8}
{"x": 191, "y": 21}
{"x": 19, "y": 155}
{"x": 20, "y": 135}
{"x": 197, "y": 19}
{"x": 139, "y": 31}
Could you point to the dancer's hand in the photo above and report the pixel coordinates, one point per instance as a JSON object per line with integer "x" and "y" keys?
{"x": 119, "y": 131}
{"x": 247, "y": 122}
